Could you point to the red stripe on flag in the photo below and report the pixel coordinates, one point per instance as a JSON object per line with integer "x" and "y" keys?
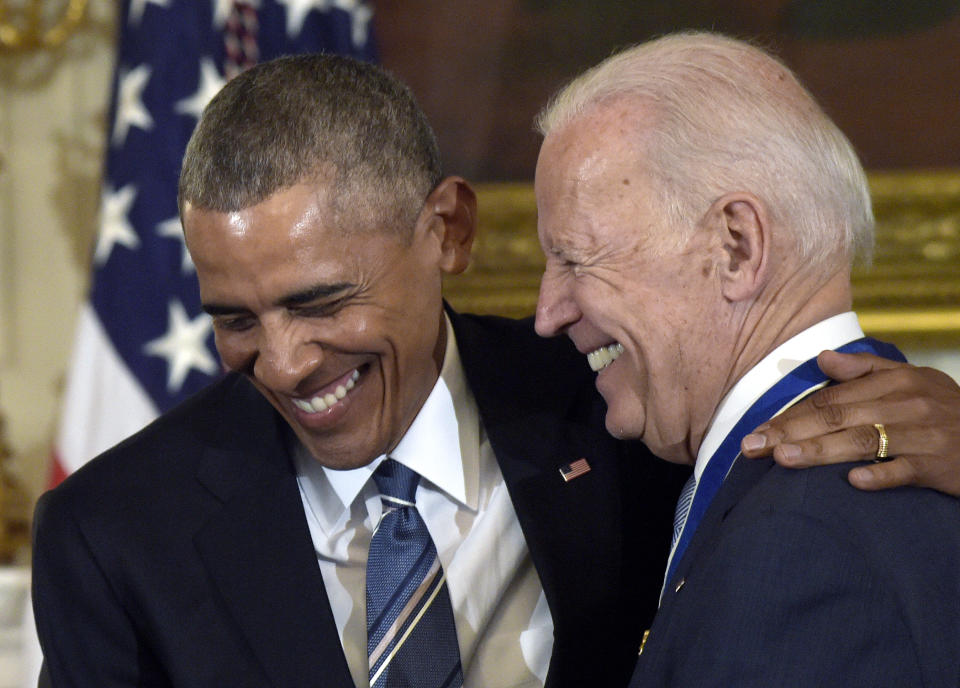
{"x": 56, "y": 474}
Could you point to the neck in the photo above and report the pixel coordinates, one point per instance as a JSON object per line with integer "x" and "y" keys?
{"x": 782, "y": 311}
{"x": 785, "y": 310}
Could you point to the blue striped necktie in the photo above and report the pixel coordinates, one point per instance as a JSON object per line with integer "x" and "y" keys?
{"x": 411, "y": 637}
{"x": 683, "y": 508}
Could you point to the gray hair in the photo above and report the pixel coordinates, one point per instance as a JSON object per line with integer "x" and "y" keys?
{"x": 313, "y": 118}
{"x": 731, "y": 117}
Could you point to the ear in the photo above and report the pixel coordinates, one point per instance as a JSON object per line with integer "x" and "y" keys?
{"x": 744, "y": 226}
{"x": 452, "y": 208}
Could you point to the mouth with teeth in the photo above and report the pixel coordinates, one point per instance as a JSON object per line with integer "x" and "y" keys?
{"x": 604, "y": 356}
{"x": 329, "y": 397}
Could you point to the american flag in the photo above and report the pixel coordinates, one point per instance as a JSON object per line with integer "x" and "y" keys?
{"x": 142, "y": 343}
{"x": 574, "y": 470}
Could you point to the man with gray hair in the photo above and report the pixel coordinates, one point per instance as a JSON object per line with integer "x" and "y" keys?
{"x": 700, "y": 215}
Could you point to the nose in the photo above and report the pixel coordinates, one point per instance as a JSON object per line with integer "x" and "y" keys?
{"x": 556, "y": 309}
{"x": 286, "y": 358}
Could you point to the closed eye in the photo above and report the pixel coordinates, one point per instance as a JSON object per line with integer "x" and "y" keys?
{"x": 318, "y": 310}
{"x": 233, "y": 323}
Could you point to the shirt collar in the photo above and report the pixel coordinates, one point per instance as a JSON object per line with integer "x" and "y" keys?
{"x": 831, "y": 333}
{"x": 442, "y": 445}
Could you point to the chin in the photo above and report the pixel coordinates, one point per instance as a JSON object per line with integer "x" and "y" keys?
{"x": 338, "y": 462}
{"x": 621, "y": 430}
{"x": 677, "y": 452}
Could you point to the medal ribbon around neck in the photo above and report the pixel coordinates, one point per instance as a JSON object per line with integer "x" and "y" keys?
{"x": 797, "y": 384}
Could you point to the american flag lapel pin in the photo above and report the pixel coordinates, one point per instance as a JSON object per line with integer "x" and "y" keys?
{"x": 574, "y": 470}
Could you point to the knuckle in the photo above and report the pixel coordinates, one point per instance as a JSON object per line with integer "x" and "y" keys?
{"x": 832, "y": 415}
{"x": 816, "y": 447}
{"x": 775, "y": 434}
{"x": 864, "y": 439}
{"x": 929, "y": 376}
{"x": 921, "y": 407}
{"x": 826, "y": 397}
{"x": 902, "y": 377}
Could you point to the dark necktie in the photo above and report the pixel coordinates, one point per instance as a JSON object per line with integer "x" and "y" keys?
{"x": 411, "y": 637}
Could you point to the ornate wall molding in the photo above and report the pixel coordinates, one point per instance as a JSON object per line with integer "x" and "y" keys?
{"x": 29, "y": 26}
{"x": 910, "y": 295}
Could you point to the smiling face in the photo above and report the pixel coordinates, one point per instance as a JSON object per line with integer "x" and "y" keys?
{"x": 644, "y": 307}
{"x": 337, "y": 322}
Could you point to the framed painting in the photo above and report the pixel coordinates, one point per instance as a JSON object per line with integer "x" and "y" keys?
{"x": 888, "y": 74}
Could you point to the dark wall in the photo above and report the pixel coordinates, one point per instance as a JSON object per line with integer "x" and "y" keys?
{"x": 887, "y": 71}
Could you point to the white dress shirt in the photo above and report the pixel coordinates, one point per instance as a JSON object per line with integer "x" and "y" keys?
{"x": 504, "y": 627}
{"x": 831, "y": 333}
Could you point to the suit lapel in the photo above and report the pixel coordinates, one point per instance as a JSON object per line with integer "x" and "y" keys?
{"x": 571, "y": 528}
{"x": 743, "y": 476}
{"x": 259, "y": 554}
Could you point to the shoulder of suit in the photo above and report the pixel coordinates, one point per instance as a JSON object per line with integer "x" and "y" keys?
{"x": 824, "y": 493}
{"x": 167, "y": 449}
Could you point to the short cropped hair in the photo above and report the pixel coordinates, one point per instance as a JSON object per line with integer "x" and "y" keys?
{"x": 313, "y": 118}
{"x": 728, "y": 116}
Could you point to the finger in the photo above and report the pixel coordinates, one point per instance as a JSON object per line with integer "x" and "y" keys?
{"x": 923, "y": 471}
{"x": 860, "y": 444}
{"x": 874, "y": 377}
{"x": 852, "y": 444}
{"x": 839, "y": 366}
{"x": 816, "y": 420}
{"x": 890, "y": 381}
{"x": 898, "y": 378}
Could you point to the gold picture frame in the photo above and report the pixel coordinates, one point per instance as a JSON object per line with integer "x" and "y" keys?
{"x": 910, "y": 295}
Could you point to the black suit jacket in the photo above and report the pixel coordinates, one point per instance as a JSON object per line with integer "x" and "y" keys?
{"x": 182, "y": 556}
{"x": 797, "y": 579}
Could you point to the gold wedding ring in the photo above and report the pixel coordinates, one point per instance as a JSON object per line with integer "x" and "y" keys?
{"x": 884, "y": 443}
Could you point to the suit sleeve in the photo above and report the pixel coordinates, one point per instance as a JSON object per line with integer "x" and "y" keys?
{"x": 87, "y": 638}
{"x": 790, "y": 600}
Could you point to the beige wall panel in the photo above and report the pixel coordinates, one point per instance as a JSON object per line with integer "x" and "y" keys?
{"x": 52, "y": 112}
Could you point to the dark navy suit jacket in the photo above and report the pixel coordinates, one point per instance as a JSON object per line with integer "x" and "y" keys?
{"x": 797, "y": 579}
{"x": 182, "y": 556}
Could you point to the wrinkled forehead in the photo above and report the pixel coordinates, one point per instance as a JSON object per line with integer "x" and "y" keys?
{"x": 594, "y": 157}
{"x": 607, "y": 140}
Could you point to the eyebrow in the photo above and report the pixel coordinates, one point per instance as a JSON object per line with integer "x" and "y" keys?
{"x": 320, "y": 291}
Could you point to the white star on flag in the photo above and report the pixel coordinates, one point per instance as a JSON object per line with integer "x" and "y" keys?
{"x": 172, "y": 230}
{"x": 208, "y": 85}
{"x": 297, "y": 10}
{"x": 359, "y": 12}
{"x": 130, "y": 108}
{"x": 221, "y": 10}
{"x": 184, "y": 346}
{"x": 115, "y": 227}
{"x": 138, "y": 6}
{"x": 360, "y": 15}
